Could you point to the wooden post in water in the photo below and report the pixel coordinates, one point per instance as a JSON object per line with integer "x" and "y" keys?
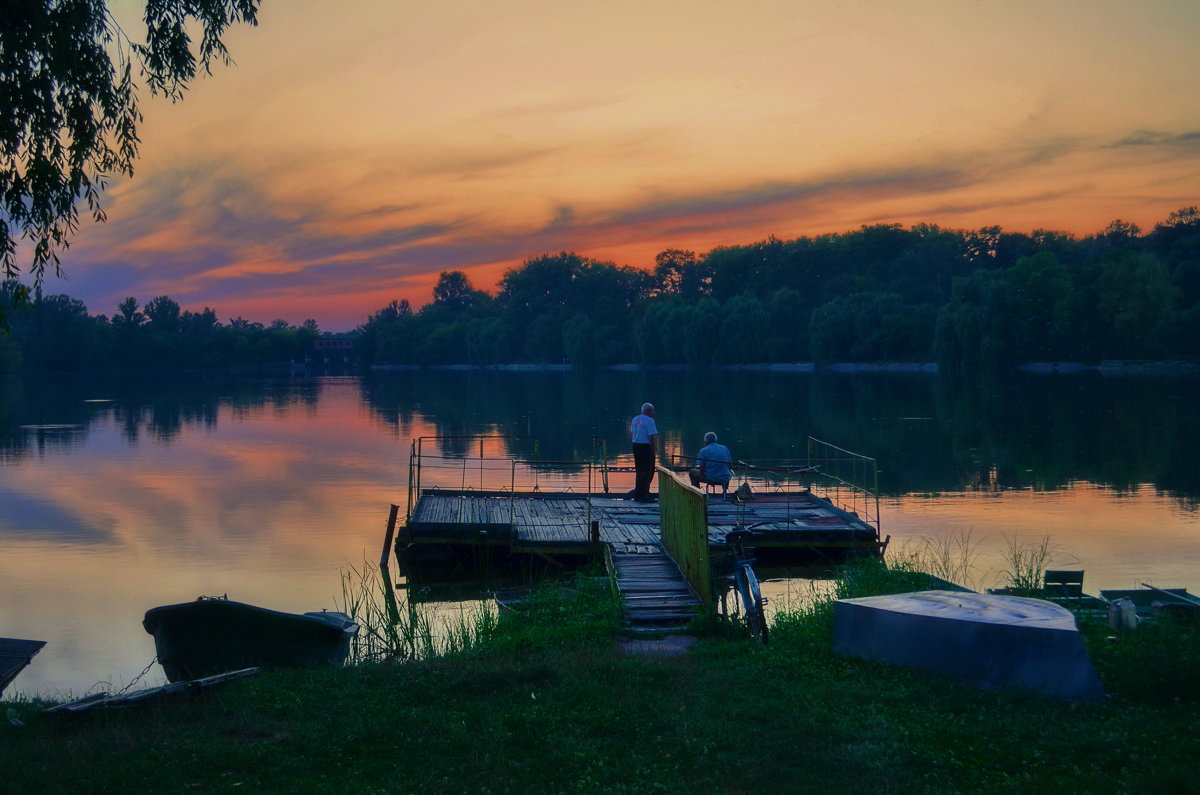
{"x": 387, "y": 538}
{"x": 385, "y": 569}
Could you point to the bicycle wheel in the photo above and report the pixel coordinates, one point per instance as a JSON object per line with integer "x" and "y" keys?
{"x": 757, "y": 622}
{"x": 754, "y": 614}
{"x": 756, "y": 610}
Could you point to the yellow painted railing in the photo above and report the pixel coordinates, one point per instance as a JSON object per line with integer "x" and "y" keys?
{"x": 683, "y": 511}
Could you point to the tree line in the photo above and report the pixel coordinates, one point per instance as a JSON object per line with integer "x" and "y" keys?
{"x": 967, "y": 299}
{"x": 56, "y": 332}
{"x": 970, "y": 300}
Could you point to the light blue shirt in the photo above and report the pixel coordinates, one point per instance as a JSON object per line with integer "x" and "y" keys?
{"x": 641, "y": 428}
{"x": 715, "y": 459}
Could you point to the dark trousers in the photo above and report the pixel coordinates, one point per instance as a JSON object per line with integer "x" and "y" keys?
{"x": 643, "y": 462}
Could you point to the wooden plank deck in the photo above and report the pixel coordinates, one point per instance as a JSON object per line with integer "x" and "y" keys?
{"x": 653, "y": 591}
{"x": 528, "y": 522}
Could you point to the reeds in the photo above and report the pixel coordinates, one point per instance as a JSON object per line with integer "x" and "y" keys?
{"x": 951, "y": 557}
{"x": 396, "y": 628}
{"x": 390, "y": 628}
{"x": 1027, "y": 563}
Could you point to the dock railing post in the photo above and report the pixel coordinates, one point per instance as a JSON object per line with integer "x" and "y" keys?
{"x": 412, "y": 456}
{"x": 512, "y": 492}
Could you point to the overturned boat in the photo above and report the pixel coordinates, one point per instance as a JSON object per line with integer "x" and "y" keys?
{"x": 214, "y": 635}
{"x": 15, "y": 654}
{"x": 991, "y": 641}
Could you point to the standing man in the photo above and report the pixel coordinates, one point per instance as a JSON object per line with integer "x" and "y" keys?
{"x": 644, "y": 435}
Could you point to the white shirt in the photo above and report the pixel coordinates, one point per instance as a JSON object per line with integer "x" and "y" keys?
{"x": 641, "y": 428}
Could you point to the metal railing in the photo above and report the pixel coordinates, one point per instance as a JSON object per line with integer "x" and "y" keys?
{"x": 481, "y": 464}
{"x": 847, "y": 480}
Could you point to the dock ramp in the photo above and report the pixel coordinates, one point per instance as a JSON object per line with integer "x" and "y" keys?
{"x": 655, "y": 595}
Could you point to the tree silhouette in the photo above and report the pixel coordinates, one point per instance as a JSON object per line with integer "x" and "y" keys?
{"x": 71, "y": 109}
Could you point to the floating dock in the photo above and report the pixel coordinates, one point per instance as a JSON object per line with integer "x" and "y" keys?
{"x": 569, "y": 512}
{"x": 561, "y": 523}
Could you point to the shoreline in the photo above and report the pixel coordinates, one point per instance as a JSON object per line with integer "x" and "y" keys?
{"x": 1107, "y": 367}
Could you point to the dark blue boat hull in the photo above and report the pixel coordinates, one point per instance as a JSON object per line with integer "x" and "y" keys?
{"x": 212, "y": 636}
{"x": 991, "y": 641}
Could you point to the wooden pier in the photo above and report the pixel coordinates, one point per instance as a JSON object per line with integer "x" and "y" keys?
{"x": 561, "y": 524}
{"x": 666, "y": 560}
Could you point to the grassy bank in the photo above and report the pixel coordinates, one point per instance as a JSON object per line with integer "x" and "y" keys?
{"x": 546, "y": 702}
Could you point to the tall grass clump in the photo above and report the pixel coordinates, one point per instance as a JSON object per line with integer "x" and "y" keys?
{"x": 807, "y": 619}
{"x": 396, "y": 628}
{"x": 468, "y": 629}
{"x": 951, "y": 557}
{"x": 390, "y": 629}
{"x": 1027, "y": 564}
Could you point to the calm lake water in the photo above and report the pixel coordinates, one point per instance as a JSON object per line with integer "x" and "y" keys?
{"x": 120, "y": 493}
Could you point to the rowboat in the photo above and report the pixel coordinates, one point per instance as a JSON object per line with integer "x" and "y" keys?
{"x": 214, "y": 635}
{"x": 992, "y": 641}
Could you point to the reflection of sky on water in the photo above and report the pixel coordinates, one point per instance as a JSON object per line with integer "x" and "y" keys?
{"x": 1120, "y": 539}
{"x": 267, "y": 490}
{"x": 36, "y": 518}
{"x": 264, "y": 504}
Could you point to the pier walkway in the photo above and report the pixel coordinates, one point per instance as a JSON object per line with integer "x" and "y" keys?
{"x": 654, "y": 592}
{"x": 561, "y": 523}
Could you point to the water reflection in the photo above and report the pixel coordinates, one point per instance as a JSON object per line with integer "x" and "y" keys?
{"x": 120, "y": 493}
{"x": 40, "y": 412}
{"x": 930, "y": 435}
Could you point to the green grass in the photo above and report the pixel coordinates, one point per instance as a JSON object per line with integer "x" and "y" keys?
{"x": 543, "y": 701}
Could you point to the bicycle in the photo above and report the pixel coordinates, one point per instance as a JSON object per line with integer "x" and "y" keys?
{"x": 745, "y": 585}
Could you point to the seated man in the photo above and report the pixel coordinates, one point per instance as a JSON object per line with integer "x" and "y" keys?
{"x": 712, "y": 464}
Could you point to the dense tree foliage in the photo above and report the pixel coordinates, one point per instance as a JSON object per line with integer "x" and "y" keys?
{"x": 554, "y": 308}
{"x": 969, "y": 299}
{"x": 975, "y": 301}
{"x": 70, "y": 101}
{"x": 55, "y": 332}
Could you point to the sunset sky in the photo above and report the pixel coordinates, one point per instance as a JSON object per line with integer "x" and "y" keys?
{"x": 357, "y": 149}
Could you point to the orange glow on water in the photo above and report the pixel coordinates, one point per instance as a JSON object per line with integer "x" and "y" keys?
{"x": 1128, "y": 531}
